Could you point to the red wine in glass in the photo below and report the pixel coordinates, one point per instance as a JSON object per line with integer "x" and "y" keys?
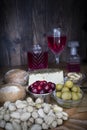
{"x": 57, "y": 44}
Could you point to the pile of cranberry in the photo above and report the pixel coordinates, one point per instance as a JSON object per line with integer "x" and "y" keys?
{"x": 42, "y": 87}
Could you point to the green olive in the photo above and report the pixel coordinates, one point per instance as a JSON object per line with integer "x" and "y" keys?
{"x": 59, "y": 87}
{"x": 69, "y": 84}
{"x": 74, "y": 89}
{"x": 79, "y": 90}
{"x": 58, "y": 94}
{"x": 79, "y": 95}
{"x": 66, "y": 95}
{"x": 65, "y": 89}
{"x": 75, "y": 96}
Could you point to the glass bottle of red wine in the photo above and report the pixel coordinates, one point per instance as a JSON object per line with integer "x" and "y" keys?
{"x": 73, "y": 59}
{"x": 37, "y": 57}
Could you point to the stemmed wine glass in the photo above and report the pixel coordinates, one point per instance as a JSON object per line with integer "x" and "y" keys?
{"x": 56, "y": 42}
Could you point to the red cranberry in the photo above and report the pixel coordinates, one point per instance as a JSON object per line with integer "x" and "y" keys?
{"x": 50, "y": 90}
{"x": 39, "y": 88}
{"x": 34, "y": 91}
{"x": 42, "y": 92}
{"x": 42, "y": 83}
{"x": 35, "y": 84}
{"x": 52, "y": 85}
{"x": 46, "y": 88}
{"x": 30, "y": 87}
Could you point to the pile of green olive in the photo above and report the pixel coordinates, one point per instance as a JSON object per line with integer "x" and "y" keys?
{"x": 68, "y": 91}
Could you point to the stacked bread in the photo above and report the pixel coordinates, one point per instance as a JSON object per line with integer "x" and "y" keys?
{"x": 14, "y": 88}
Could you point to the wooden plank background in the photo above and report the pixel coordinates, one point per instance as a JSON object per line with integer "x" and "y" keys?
{"x": 24, "y": 22}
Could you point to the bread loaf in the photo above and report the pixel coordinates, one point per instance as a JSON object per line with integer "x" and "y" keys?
{"x": 16, "y": 76}
{"x": 11, "y": 92}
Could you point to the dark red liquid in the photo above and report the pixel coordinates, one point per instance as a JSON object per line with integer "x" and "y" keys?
{"x": 37, "y": 61}
{"x": 56, "y": 44}
{"x": 75, "y": 67}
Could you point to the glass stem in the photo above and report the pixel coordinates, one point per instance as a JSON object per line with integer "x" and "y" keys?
{"x": 57, "y": 59}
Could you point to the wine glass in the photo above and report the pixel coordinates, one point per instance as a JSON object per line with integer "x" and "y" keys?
{"x": 56, "y": 42}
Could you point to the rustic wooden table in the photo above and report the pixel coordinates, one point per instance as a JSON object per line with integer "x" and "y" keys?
{"x": 77, "y": 116}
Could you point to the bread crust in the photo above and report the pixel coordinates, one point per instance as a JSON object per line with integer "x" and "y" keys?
{"x": 16, "y": 76}
{"x": 11, "y": 92}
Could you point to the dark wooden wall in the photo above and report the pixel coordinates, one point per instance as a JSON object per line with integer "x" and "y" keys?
{"x": 24, "y": 22}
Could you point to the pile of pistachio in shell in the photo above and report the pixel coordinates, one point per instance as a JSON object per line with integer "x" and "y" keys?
{"x": 31, "y": 115}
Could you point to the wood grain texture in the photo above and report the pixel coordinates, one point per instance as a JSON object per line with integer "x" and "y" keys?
{"x": 25, "y": 22}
